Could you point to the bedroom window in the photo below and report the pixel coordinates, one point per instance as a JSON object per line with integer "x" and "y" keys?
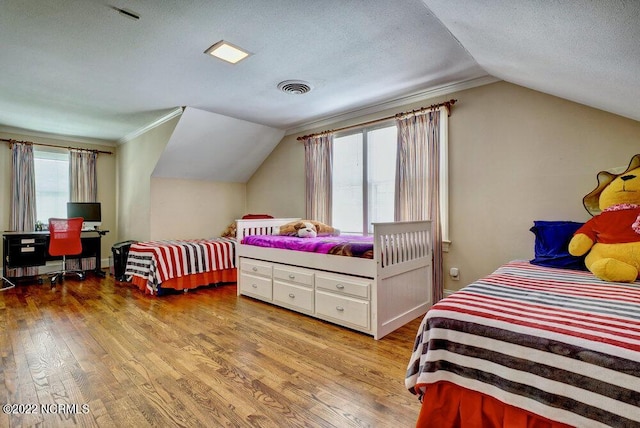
{"x": 52, "y": 184}
{"x": 364, "y": 164}
{"x": 364, "y": 168}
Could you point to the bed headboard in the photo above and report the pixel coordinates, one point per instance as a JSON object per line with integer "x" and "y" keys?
{"x": 263, "y": 226}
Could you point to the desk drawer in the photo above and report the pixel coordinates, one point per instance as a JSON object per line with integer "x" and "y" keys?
{"x": 22, "y": 252}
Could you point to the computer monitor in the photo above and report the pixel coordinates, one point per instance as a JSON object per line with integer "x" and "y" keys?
{"x": 89, "y": 211}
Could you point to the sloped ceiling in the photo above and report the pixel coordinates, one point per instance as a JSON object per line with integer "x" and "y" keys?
{"x": 584, "y": 51}
{"x": 80, "y": 68}
{"x": 210, "y": 146}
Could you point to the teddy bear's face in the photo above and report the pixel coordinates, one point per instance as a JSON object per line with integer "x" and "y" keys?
{"x": 625, "y": 189}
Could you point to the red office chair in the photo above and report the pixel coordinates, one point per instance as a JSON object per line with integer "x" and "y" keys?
{"x": 65, "y": 241}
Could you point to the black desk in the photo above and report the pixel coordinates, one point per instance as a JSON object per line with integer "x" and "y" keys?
{"x": 24, "y": 249}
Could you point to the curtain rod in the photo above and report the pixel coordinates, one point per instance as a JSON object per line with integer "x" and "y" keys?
{"x": 52, "y": 145}
{"x": 446, "y": 104}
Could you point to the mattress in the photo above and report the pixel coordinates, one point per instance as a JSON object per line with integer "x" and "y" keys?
{"x": 343, "y": 245}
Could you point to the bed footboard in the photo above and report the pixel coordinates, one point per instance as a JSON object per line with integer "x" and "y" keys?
{"x": 403, "y": 272}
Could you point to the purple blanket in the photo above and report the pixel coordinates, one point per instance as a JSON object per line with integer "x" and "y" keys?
{"x": 344, "y": 245}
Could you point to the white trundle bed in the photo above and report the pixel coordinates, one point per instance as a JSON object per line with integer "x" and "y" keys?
{"x": 371, "y": 295}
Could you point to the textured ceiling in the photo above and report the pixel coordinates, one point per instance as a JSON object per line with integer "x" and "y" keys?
{"x": 587, "y": 51}
{"x": 79, "y": 68}
{"x": 214, "y": 147}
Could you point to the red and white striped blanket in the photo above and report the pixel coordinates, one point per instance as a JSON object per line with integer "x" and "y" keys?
{"x": 159, "y": 261}
{"x": 559, "y": 343}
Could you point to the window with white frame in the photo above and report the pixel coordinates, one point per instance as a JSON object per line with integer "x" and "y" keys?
{"x": 52, "y": 183}
{"x": 364, "y": 165}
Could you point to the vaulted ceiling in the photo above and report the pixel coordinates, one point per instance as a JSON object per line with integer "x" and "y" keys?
{"x": 82, "y": 68}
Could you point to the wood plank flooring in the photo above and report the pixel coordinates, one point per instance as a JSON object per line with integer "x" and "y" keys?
{"x": 98, "y": 353}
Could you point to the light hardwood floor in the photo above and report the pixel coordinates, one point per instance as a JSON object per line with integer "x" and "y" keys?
{"x": 101, "y": 353}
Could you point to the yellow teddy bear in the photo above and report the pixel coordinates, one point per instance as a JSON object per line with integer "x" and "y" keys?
{"x": 612, "y": 236}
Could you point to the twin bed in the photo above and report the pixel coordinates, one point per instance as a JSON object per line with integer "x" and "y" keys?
{"x": 157, "y": 267}
{"x": 374, "y": 284}
{"x": 530, "y": 346}
{"x": 374, "y": 289}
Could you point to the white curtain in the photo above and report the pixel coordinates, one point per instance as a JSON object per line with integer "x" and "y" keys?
{"x": 83, "y": 180}
{"x": 412, "y": 169}
{"x": 23, "y": 188}
{"x": 23, "y": 197}
{"x": 418, "y": 181}
{"x": 318, "y": 169}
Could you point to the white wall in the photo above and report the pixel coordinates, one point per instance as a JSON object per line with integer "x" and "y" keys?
{"x": 193, "y": 209}
{"x": 153, "y": 208}
{"x": 136, "y": 160}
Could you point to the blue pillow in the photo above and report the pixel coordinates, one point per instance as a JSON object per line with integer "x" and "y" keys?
{"x": 552, "y": 244}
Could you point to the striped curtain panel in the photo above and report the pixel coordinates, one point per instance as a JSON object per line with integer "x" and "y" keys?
{"x": 433, "y": 196}
{"x": 318, "y": 169}
{"x": 83, "y": 180}
{"x": 23, "y": 197}
{"x": 418, "y": 181}
{"x": 83, "y": 187}
{"x": 412, "y": 169}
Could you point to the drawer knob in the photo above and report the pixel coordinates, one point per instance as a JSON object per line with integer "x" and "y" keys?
{"x": 340, "y": 286}
{"x": 293, "y": 296}
{"x": 339, "y": 309}
{"x": 255, "y": 269}
{"x": 292, "y": 276}
{"x": 254, "y": 285}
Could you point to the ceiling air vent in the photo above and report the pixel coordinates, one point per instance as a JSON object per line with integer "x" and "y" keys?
{"x": 296, "y": 87}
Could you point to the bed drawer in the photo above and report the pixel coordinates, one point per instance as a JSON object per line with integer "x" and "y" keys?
{"x": 293, "y": 296}
{"x": 292, "y": 274}
{"x": 255, "y": 267}
{"x": 343, "y": 309}
{"x": 256, "y": 286}
{"x": 344, "y": 285}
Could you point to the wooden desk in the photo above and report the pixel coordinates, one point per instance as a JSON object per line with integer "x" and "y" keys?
{"x": 25, "y": 249}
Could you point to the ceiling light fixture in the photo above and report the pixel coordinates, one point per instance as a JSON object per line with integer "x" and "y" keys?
{"x": 296, "y": 87}
{"x": 227, "y": 52}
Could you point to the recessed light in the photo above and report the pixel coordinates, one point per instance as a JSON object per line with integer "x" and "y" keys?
{"x": 227, "y": 52}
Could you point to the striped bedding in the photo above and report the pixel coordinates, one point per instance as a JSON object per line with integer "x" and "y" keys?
{"x": 557, "y": 343}
{"x": 160, "y": 261}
